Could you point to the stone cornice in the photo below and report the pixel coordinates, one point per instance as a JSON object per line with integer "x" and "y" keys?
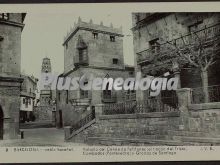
{"x": 92, "y": 67}
{"x": 6, "y": 22}
{"x": 90, "y": 29}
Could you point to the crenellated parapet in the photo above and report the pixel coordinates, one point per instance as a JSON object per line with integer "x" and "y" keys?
{"x": 90, "y": 26}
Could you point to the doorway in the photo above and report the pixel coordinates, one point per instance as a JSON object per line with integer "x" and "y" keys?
{"x": 60, "y": 119}
{"x": 1, "y": 123}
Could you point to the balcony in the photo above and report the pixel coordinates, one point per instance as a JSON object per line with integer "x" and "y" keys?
{"x": 206, "y": 35}
{"x": 81, "y": 60}
{"x": 109, "y": 98}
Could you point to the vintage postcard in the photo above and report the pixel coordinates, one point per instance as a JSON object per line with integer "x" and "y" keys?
{"x": 109, "y": 82}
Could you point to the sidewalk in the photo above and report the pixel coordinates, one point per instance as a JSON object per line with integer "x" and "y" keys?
{"x": 40, "y": 137}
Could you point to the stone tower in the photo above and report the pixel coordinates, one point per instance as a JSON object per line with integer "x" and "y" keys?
{"x": 46, "y": 94}
{"x": 46, "y": 66}
{"x": 95, "y": 49}
{"x": 94, "y": 45}
{"x": 11, "y": 25}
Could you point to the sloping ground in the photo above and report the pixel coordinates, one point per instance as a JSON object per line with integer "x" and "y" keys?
{"x": 40, "y": 137}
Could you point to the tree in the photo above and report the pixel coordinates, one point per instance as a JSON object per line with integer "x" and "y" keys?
{"x": 199, "y": 49}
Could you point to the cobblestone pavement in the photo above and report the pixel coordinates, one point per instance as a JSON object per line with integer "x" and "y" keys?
{"x": 40, "y": 137}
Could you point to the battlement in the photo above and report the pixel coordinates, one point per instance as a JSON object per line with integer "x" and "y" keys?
{"x": 92, "y": 27}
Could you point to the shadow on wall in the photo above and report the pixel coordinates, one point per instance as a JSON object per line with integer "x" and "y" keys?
{"x": 66, "y": 116}
{"x": 1, "y": 123}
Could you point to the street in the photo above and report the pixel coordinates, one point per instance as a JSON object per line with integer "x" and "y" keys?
{"x": 40, "y": 137}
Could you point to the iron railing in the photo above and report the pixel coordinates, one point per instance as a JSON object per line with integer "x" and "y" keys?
{"x": 119, "y": 108}
{"x": 82, "y": 122}
{"x": 206, "y": 34}
{"x": 199, "y": 97}
{"x": 163, "y": 104}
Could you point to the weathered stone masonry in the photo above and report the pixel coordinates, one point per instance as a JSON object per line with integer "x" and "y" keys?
{"x": 11, "y": 25}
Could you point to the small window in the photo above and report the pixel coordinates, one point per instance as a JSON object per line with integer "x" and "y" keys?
{"x": 112, "y": 38}
{"x": 84, "y": 94}
{"x": 4, "y": 16}
{"x": 95, "y": 35}
{"x": 131, "y": 73}
{"x": 154, "y": 45}
{"x": 137, "y": 17}
{"x": 115, "y": 61}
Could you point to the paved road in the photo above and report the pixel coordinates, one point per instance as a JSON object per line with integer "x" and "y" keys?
{"x": 40, "y": 137}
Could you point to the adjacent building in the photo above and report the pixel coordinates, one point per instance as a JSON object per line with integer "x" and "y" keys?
{"x": 11, "y": 26}
{"x": 153, "y": 33}
{"x": 91, "y": 49}
{"x": 28, "y": 98}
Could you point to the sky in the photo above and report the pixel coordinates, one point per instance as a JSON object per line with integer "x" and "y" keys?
{"x": 44, "y": 32}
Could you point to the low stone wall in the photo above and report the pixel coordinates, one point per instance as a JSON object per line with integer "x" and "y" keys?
{"x": 142, "y": 126}
{"x": 193, "y": 124}
{"x": 205, "y": 118}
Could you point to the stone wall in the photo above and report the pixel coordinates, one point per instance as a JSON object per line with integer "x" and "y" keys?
{"x": 205, "y": 118}
{"x": 193, "y": 124}
{"x": 43, "y": 113}
{"x": 10, "y": 80}
{"x": 141, "y": 126}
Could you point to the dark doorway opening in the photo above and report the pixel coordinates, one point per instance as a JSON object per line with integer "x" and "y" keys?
{"x": 60, "y": 119}
{"x": 1, "y": 123}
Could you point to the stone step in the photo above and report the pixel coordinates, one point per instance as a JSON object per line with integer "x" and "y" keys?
{"x": 131, "y": 141}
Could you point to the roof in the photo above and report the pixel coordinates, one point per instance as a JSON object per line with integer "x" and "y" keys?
{"x": 93, "y": 27}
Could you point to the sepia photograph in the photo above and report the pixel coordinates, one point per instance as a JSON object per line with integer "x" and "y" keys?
{"x": 111, "y": 78}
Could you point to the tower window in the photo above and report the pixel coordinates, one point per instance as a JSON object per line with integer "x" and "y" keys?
{"x": 115, "y": 61}
{"x": 4, "y": 16}
{"x": 84, "y": 93}
{"x": 154, "y": 45}
{"x": 112, "y": 38}
{"x": 95, "y": 35}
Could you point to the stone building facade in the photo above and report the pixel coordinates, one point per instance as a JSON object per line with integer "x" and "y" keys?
{"x": 151, "y": 33}
{"x": 91, "y": 49}
{"x": 28, "y": 97}
{"x": 11, "y": 25}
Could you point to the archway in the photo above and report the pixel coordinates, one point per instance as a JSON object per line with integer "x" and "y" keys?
{"x": 1, "y": 123}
